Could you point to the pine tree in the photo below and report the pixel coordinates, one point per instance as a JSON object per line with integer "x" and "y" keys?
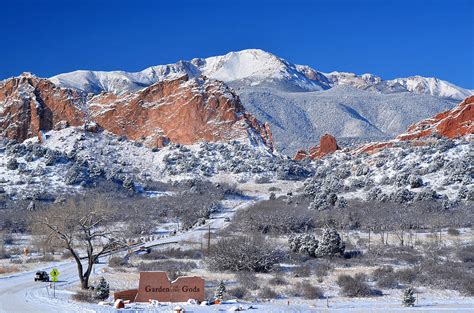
{"x": 220, "y": 290}
{"x": 330, "y": 244}
{"x": 102, "y": 290}
{"x": 408, "y": 298}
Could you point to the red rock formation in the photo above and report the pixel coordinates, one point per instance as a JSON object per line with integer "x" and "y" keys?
{"x": 29, "y": 104}
{"x": 182, "y": 111}
{"x": 327, "y": 145}
{"x": 454, "y": 123}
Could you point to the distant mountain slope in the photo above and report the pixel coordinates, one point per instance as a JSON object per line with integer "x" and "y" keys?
{"x": 298, "y": 119}
{"x": 299, "y": 102}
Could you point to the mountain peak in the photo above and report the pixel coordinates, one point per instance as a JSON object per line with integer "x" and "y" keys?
{"x": 255, "y": 67}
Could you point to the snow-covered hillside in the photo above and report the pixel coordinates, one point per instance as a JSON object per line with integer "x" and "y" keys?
{"x": 74, "y": 160}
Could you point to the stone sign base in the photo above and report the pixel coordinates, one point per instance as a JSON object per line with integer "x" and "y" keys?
{"x": 157, "y": 286}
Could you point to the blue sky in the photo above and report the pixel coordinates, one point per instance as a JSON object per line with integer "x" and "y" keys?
{"x": 387, "y": 38}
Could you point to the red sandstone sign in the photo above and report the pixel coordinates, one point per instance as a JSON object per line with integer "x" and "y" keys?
{"x": 157, "y": 286}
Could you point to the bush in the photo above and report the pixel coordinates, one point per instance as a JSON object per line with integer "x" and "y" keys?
{"x": 4, "y": 255}
{"x": 267, "y": 293}
{"x": 302, "y": 271}
{"x": 84, "y": 296}
{"x": 173, "y": 253}
{"x": 248, "y": 279}
{"x": 173, "y": 275}
{"x": 355, "y": 287}
{"x": 406, "y": 276}
{"x": 167, "y": 266}
{"x": 453, "y": 232}
{"x": 323, "y": 269}
{"x": 466, "y": 254}
{"x": 306, "y": 290}
{"x": 117, "y": 261}
{"x": 253, "y": 254}
{"x": 278, "y": 281}
{"x": 388, "y": 282}
{"x": 237, "y": 292}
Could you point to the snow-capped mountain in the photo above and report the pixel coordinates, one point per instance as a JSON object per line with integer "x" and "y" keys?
{"x": 255, "y": 67}
{"x": 299, "y": 102}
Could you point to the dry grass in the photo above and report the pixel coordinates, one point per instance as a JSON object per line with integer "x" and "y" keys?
{"x": 8, "y": 269}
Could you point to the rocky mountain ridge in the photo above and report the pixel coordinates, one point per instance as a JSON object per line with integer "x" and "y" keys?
{"x": 182, "y": 111}
{"x": 299, "y": 103}
{"x": 255, "y": 67}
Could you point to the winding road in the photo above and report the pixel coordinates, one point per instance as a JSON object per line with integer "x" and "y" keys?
{"x": 20, "y": 294}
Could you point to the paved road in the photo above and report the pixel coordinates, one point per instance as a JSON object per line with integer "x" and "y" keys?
{"x": 20, "y": 294}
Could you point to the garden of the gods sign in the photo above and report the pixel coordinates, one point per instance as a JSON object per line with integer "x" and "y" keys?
{"x": 157, "y": 286}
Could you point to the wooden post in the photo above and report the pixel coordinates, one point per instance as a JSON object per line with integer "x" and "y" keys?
{"x": 327, "y": 301}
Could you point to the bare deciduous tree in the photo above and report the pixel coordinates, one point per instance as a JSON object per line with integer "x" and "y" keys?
{"x": 81, "y": 229}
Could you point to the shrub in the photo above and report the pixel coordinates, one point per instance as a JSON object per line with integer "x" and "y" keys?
{"x": 167, "y": 266}
{"x": 355, "y": 286}
{"x": 323, "y": 269}
{"x": 302, "y": 271}
{"x": 263, "y": 180}
{"x": 117, "y": 261}
{"x": 382, "y": 272}
{"x": 406, "y": 276}
{"x": 173, "y": 253}
{"x": 248, "y": 279}
{"x": 278, "y": 281}
{"x": 12, "y": 164}
{"x": 267, "y": 293}
{"x": 237, "y": 292}
{"x": 84, "y": 296}
{"x": 173, "y": 275}
{"x": 243, "y": 253}
{"x": 308, "y": 291}
{"x": 387, "y": 282}
{"x": 466, "y": 254}
{"x": 453, "y": 232}
{"x": 4, "y": 255}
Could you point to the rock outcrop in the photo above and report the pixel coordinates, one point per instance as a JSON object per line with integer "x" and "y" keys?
{"x": 327, "y": 145}
{"x": 454, "y": 123}
{"x": 182, "y": 111}
{"x": 29, "y": 105}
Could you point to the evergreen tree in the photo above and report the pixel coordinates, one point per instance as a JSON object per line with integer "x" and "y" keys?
{"x": 408, "y": 298}
{"x": 330, "y": 244}
{"x": 220, "y": 290}
{"x": 102, "y": 290}
{"x": 303, "y": 243}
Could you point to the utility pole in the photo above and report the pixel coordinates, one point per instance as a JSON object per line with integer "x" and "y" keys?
{"x": 209, "y": 239}
{"x": 369, "y": 239}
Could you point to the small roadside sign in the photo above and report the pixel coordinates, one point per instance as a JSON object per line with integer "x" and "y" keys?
{"x": 54, "y": 274}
